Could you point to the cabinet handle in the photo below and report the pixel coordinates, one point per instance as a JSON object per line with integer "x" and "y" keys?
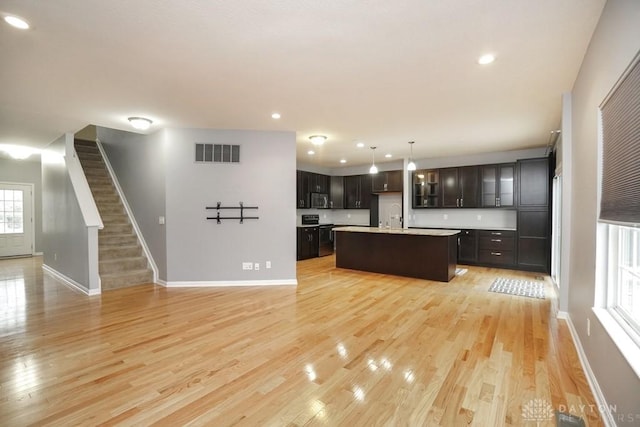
{"x": 496, "y": 233}
{"x": 461, "y": 202}
{"x": 496, "y": 240}
{"x": 457, "y": 203}
{"x": 496, "y": 253}
{"x": 498, "y": 201}
{"x": 385, "y": 187}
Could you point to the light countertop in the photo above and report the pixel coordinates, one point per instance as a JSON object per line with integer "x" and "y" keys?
{"x": 409, "y": 231}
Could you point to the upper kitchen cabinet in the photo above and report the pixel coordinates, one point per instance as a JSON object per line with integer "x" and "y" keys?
{"x": 388, "y": 181}
{"x": 357, "y": 191}
{"x": 459, "y": 187}
{"x": 425, "y": 185}
{"x": 336, "y": 195}
{"x": 498, "y": 185}
{"x": 320, "y": 183}
{"x": 303, "y": 182}
{"x": 533, "y": 182}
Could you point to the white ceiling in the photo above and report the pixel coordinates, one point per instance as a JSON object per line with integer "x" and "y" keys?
{"x": 381, "y": 72}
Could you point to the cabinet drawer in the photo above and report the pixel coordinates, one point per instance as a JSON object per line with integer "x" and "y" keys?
{"x": 488, "y": 256}
{"x": 497, "y": 242}
{"x": 497, "y": 233}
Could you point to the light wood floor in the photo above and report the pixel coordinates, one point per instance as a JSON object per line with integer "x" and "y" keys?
{"x": 344, "y": 348}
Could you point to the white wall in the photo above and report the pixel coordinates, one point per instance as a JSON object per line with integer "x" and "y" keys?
{"x": 139, "y": 164}
{"x": 29, "y": 172}
{"x": 201, "y": 250}
{"x": 615, "y": 42}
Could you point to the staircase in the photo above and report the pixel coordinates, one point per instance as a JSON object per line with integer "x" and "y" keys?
{"x": 121, "y": 259}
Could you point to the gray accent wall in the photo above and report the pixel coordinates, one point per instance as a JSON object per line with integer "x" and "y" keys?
{"x": 65, "y": 238}
{"x": 27, "y": 172}
{"x": 615, "y": 42}
{"x": 201, "y": 250}
{"x": 139, "y": 164}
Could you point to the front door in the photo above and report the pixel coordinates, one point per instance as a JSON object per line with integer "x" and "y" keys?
{"x": 16, "y": 223}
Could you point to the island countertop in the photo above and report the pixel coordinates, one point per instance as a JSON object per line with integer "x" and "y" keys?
{"x": 404, "y": 231}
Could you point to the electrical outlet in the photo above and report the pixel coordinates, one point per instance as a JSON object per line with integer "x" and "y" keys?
{"x": 588, "y": 327}
{"x": 267, "y": 264}
{"x": 348, "y": 215}
{"x": 479, "y": 217}
{"x": 256, "y": 266}
{"x": 55, "y": 257}
{"x": 161, "y": 220}
{"x": 445, "y": 216}
{"x": 247, "y": 266}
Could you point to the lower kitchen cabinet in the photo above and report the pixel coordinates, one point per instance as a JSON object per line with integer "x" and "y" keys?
{"x": 307, "y": 242}
{"x": 468, "y": 247}
{"x": 497, "y": 248}
{"x": 533, "y": 240}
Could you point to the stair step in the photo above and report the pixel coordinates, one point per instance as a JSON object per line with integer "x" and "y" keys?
{"x": 99, "y": 180}
{"x": 111, "y": 229}
{"x": 116, "y": 239}
{"x": 118, "y": 265}
{"x": 106, "y": 198}
{"x": 92, "y": 163}
{"x": 97, "y": 173}
{"x": 103, "y": 190}
{"x": 111, "y": 210}
{"x": 118, "y": 252}
{"x": 86, "y": 147}
{"x": 114, "y": 218}
{"x": 124, "y": 279}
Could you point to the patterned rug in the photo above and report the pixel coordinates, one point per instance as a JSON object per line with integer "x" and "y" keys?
{"x": 523, "y": 288}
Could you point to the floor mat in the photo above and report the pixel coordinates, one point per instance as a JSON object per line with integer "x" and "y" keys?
{"x": 523, "y": 288}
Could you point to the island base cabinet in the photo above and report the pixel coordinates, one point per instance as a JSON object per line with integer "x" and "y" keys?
{"x": 422, "y": 257}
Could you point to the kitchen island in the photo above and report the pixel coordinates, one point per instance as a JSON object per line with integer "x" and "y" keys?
{"x": 419, "y": 253}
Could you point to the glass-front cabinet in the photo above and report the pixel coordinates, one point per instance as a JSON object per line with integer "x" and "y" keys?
{"x": 498, "y": 185}
{"x": 426, "y": 188}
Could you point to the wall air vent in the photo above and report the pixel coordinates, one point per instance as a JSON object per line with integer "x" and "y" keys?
{"x": 217, "y": 153}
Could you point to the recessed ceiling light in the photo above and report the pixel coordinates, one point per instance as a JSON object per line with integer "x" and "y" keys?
{"x": 360, "y": 144}
{"x": 317, "y": 139}
{"x": 486, "y": 59}
{"x": 343, "y": 160}
{"x": 311, "y": 152}
{"x": 140, "y": 123}
{"x": 388, "y": 155}
{"x": 275, "y": 116}
{"x": 16, "y": 22}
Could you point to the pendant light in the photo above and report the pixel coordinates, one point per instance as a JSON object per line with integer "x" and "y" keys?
{"x": 411, "y": 166}
{"x": 373, "y": 169}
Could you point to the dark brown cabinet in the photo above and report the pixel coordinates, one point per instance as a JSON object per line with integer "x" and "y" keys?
{"x": 497, "y": 247}
{"x": 307, "y": 242}
{"x": 534, "y": 225}
{"x": 303, "y": 183}
{"x": 533, "y": 176}
{"x": 357, "y": 192}
{"x": 498, "y": 185}
{"x": 425, "y": 185}
{"x": 468, "y": 247}
{"x": 388, "y": 181}
{"x": 320, "y": 183}
{"x": 459, "y": 187}
{"x": 336, "y": 195}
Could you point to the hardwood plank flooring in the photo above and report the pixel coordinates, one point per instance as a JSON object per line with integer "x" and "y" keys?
{"x": 342, "y": 348}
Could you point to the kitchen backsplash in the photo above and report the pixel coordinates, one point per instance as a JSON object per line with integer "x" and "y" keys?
{"x": 338, "y": 216}
{"x": 486, "y": 219}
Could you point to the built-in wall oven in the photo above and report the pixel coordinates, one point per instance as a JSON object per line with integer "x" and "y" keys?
{"x": 325, "y": 240}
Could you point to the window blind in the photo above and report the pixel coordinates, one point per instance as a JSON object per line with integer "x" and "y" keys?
{"x": 620, "y": 192}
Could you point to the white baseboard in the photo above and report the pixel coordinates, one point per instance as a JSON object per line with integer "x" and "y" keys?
{"x": 38, "y": 254}
{"x": 230, "y": 283}
{"x": 161, "y": 282}
{"x": 69, "y": 282}
{"x": 606, "y": 415}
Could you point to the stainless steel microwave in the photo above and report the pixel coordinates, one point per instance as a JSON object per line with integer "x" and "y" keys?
{"x": 319, "y": 200}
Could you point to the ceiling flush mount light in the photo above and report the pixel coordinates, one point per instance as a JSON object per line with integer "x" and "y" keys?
{"x": 311, "y": 152}
{"x": 18, "y": 152}
{"x": 16, "y": 22}
{"x": 140, "y": 123}
{"x": 275, "y": 116}
{"x": 343, "y": 160}
{"x": 317, "y": 139}
{"x": 388, "y": 155}
{"x": 373, "y": 168}
{"x": 486, "y": 59}
{"x": 411, "y": 166}
{"x": 360, "y": 145}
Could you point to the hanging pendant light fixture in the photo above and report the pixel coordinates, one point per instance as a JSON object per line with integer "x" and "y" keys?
{"x": 373, "y": 168}
{"x": 411, "y": 166}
